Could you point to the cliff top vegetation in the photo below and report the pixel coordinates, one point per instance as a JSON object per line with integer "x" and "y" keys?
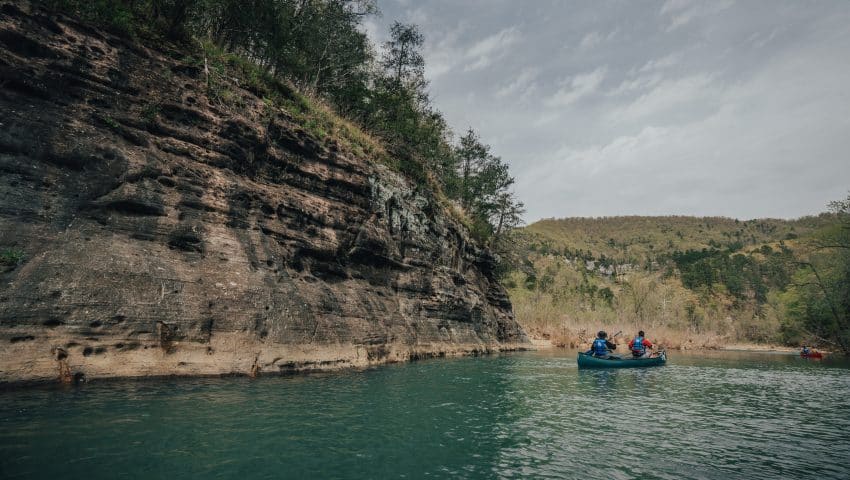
{"x": 313, "y": 59}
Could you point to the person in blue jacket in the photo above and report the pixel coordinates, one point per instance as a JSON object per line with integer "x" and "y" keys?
{"x": 601, "y": 347}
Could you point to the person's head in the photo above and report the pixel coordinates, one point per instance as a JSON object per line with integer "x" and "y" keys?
{"x": 640, "y": 333}
{"x": 602, "y": 334}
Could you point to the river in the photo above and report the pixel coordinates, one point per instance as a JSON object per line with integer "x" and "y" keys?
{"x": 522, "y": 415}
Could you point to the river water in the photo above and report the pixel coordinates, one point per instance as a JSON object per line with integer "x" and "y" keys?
{"x": 522, "y": 415}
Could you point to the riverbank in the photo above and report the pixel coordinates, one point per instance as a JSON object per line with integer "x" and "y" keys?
{"x": 544, "y": 342}
{"x": 757, "y": 347}
{"x": 233, "y": 357}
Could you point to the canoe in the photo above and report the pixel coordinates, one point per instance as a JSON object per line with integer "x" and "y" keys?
{"x": 811, "y": 355}
{"x": 589, "y": 361}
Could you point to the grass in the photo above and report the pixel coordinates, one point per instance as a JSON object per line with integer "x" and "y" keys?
{"x": 12, "y": 257}
{"x": 229, "y": 72}
{"x": 108, "y": 121}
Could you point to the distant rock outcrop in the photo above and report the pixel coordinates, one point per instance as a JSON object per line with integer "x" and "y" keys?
{"x": 162, "y": 233}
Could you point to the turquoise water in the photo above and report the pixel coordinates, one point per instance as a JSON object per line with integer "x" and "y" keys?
{"x": 524, "y": 415}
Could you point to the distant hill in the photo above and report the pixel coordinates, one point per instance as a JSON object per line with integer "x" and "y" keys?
{"x": 692, "y": 281}
{"x": 630, "y": 239}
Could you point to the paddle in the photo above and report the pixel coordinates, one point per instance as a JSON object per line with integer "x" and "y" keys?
{"x": 611, "y": 339}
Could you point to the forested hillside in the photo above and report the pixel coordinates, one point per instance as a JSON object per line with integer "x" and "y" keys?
{"x": 636, "y": 239}
{"x": 690, "y": 281}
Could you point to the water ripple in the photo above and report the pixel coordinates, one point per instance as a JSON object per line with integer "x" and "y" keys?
{"x": 530, "y": 415}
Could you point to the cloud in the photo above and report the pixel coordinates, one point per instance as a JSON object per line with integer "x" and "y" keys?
{"x": 441, "y": 55}
{"x": 448, "y": 52}
{"x": 522, "y": 86}
{"x": 760, "y": 39}
{"x": 737, "y": 110}
{"x": 577, "y": 87}
{"x": 631, "y": 85}
{"x": 621, "y": 152}
{"x": 417, "y": 16}
{"x": 675, "y": 6}
{"x": 662, "y": 63}
{"x": 667, "y": 96}
{"x": 546, "y": 118}
{"x": 595, "y": 38}
{"x": 590, "y": 40}
{"x": 484, "y": 52}
{"x": 765, "y": 146}
{"x": 648, "y": 76}
{"x": 683, "y": 12}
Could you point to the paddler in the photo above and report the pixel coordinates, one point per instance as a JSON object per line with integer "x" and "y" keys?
{"x": 601, "y": 347}
{"x": 639, "y": 345}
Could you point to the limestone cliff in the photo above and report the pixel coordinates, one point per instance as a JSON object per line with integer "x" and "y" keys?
{"x": 164, "y": 232}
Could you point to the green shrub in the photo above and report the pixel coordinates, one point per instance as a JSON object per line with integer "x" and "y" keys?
{"x": 12, "y": 257}
{"x": 111, "y": 15}
{"x": 150, "y": 112}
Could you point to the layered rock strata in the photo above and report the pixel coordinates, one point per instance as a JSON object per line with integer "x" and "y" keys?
{"x": 163, "y": 232}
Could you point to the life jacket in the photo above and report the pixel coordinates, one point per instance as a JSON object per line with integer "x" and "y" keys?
{"x": 638, "y": 346}
{"x": 599, "y": 347}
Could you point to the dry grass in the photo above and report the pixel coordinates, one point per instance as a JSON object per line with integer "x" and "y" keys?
{"x": 672, "y": 315}
{"x": 575, "y": 335}
{"x": 565, "y": 331}
{"x": 230, "y": 75}
{"x": 322, "y": 120}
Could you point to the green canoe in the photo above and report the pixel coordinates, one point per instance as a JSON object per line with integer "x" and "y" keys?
{"x": 589, "y": 361}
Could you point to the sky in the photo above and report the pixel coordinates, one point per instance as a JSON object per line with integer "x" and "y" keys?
{"x": 678, "y": 107}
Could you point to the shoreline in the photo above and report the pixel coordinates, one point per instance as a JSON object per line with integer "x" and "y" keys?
{"x": 546, "y": 344}
{"x": 535, "y": 344}
{"x": 400, "y": 355}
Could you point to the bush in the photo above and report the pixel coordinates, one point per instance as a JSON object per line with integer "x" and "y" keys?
{"x": 12, "y": 257}
{"x": 114, "y": 16}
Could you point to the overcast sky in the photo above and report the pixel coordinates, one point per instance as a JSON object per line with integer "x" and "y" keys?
{"x": 738, "y": 109}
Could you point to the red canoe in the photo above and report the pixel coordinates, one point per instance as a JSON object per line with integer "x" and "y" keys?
{"x": 811, "y": 355}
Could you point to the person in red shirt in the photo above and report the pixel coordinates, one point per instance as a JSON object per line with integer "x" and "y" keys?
{"x": 639, "y": 345}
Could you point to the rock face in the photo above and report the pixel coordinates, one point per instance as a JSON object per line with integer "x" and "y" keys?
{"x": 166, "y": 233}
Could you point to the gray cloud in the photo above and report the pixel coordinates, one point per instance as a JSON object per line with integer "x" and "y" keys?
{"x": 677, "y": 107}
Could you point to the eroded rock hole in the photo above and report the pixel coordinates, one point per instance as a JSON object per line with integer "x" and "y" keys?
{"x": 53, "y": 322}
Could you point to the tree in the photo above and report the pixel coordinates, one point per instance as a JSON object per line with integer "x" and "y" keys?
{"x": 637, "y": 290}
{"x": 402, "y": 58}
{"x": 607, "y": 295}
{"x": 507, "y": 242}
{"x": 471, "y": 155}
{"x": 818, "y": 299}
{"x": 483, "y": 188}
